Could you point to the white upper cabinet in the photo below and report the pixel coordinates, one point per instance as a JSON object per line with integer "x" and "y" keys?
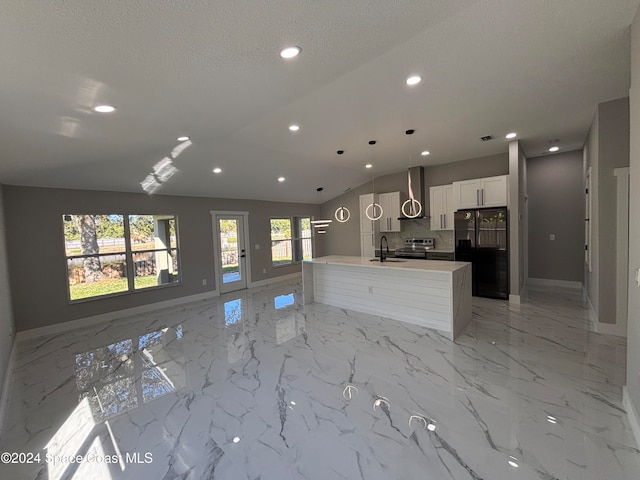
{"x": 480, "y": 192}
{"x": 441, "y": 207}
{"x": 366, "y": 225}
{"x": 390, "y": 203}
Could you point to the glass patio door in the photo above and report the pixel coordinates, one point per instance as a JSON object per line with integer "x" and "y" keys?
{"x": 232, "y": 254}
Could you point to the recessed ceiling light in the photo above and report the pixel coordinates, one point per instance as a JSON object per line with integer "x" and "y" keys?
{"x": 294, "y": 128}
{"x": 513, "y": 463}
{"x": 554, "y": 149}
{"x": 183, "y": 138}
{"x": 281, "y": 179}
{"x": 236, "y": 439}
{"x": 217, "y": 170}
{"x": 414, "y": 80}
{"x": 368, "y": 165}
{"x": 511, "y": 135}
{"x": 104, "y": 108}
{"x": 290, "y": 52}
{"x": 425, "y": 153}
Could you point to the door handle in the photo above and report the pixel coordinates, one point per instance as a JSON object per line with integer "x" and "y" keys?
{"x": 482, "y": 196}
{"x": 444, "y": 216}
{"x": 242, "y": 256}
{"x": 441, "y": 221}
{"x": 477, "y": 197}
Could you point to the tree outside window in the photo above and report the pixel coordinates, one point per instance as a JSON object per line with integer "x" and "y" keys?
{"x": 290, "y": 240}
{"x": 102, "y": 260}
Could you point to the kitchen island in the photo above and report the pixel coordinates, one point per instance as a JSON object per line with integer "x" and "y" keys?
{"x": 431, "y": 293}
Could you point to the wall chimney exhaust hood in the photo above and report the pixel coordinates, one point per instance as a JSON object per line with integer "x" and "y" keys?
{"x": 417, "y": 183}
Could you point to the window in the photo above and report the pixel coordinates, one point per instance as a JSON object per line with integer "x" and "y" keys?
{"x": 290, "y": 240}
{"x": 115, "y": 253}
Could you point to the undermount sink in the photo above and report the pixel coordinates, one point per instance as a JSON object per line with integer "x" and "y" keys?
{"x": 393, "y": 260}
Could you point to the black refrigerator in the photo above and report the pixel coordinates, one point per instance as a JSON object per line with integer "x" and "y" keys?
{"x": 482, "y": 238}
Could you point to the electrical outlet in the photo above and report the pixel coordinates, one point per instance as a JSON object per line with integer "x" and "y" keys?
{"x": 204, "y": 281}
{"x": 552, "y": 236}
{"x": 638, "y": 277}
{"x": 257, "y": 246}
{"x": 264, "y": 270}
{"x": 370, "y": 289}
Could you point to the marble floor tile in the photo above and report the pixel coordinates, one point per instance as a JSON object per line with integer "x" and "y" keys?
{"x": 257, "y": 385}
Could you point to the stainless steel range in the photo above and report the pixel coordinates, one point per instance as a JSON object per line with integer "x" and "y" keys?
{"x": 416, "y": 248}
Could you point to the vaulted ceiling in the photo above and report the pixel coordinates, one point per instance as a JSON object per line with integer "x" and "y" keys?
{"x": 212, "y": 71}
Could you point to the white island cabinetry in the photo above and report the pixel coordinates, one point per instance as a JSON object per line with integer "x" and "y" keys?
{"x": 433, "y": 294}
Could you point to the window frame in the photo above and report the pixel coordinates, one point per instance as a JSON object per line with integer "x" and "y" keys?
{"x": 128, "y": 254}
{"x": 296, "y": 239}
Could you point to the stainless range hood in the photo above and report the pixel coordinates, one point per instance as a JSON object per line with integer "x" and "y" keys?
{"x": 417, "y": 185}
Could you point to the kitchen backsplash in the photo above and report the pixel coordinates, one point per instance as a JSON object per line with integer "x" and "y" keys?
{"x": 420, "y": 229}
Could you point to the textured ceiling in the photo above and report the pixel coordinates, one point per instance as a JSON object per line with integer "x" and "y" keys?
{"x": 211, "y": 70}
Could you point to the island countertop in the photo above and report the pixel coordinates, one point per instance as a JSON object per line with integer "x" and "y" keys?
{"x": 404, "y": 264}
{"x": 432, "y": 293}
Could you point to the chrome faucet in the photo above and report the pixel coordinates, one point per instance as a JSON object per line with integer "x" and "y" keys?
{"x": 382, "y": 255}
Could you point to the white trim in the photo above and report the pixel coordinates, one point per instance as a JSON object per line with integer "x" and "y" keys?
{"x": 8, "y": 375}
{"x": 622, "y": 246}
{"x": 547, "y": 282}
{"x": 632, "y": 414}
{"x": 281, "y": 278}
{"x": 105, "y": 317}
{"x": 514, "y": 299}
{"x": 596, "y": 326}
{"x": 611, "y": 329}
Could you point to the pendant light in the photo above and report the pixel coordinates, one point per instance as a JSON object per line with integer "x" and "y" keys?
{"x": 411, "y": 208}
{"x": 342, "y": 213}
{"x": 320, "y": 225}
{"x": 374, "y": 210}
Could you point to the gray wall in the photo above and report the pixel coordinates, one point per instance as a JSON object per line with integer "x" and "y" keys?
{"x": 37, "y": 259}
{"x": 556, "y": 206}
{"x": 609, "y": 151}
{"x": 614, "y": 153}
{"x": 344, "y": 239}
{"x": 633, "y": 332}
{"x": 6, "y": 315}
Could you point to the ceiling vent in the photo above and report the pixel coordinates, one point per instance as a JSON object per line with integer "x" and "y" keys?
{"x": 486, "y": 138}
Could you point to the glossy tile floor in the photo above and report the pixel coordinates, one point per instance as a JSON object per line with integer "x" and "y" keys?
{"x": 255, "y": 385}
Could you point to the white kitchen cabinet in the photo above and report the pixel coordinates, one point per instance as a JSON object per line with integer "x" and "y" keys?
{"x": 441, "y": 207}
{"x": 390, "y": 203}
{"x": 368, "y": 245}
{"x": 480, "y": 192}
{"x": 366, "y": 225}
{"x": 368, "y": 230}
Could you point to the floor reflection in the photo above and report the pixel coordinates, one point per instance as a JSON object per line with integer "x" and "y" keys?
{"x": 123, "y": 375}
{"x": 290, "y": 323}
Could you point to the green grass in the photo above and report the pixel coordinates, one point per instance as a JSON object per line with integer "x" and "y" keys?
{"x": 107, "y": 286}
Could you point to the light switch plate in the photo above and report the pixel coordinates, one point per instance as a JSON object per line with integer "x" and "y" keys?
{"x": 638, "y": 277}
{"x": 552, "y": 236}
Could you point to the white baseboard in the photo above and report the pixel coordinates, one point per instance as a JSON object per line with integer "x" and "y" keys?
{"x": 105, "y": 317}
{"x": 632, "y": 414}
{"x": 611, "y": 329}
{"x": 595, "y": 325}
{"x": 548, "y": 282}
{"x": 269, "y": 281}
{"x": 514, "y": 299}
{"x": 4, "y": 395}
